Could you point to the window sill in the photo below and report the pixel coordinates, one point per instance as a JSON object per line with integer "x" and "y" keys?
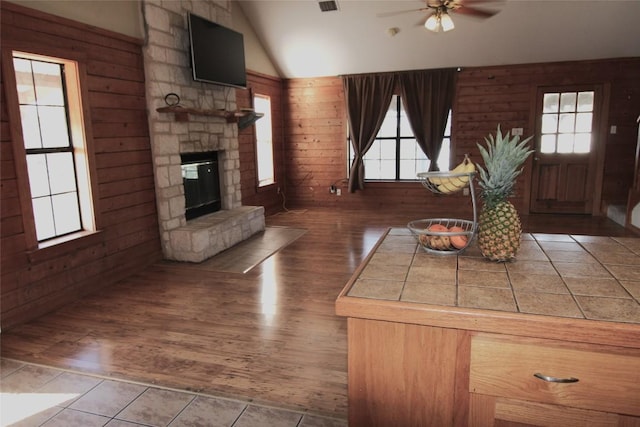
{"x": 62, "y": 245}
{"x": 266, "y": 188}
{"x": 383, "y": 183}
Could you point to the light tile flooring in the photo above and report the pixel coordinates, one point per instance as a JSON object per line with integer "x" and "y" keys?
{"x": 34, "y": 395}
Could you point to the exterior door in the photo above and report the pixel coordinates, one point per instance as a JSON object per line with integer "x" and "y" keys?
{"x": 564, "y": 164}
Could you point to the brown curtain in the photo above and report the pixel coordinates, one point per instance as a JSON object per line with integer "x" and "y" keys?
{"x": 427, "y": 97}
{"x": 367, "y": 99}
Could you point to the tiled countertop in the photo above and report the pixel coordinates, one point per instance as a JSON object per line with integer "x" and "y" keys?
{"x": 572, "y": 276}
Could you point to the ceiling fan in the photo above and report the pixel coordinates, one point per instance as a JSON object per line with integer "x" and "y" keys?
{"x": 438, "y": 18}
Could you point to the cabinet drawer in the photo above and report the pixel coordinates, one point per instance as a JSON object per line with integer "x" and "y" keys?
{"x": 608, "y": 379}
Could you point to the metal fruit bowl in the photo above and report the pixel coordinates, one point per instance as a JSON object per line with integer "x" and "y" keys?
{"x": 439, "y": 242}
{"x": 445, "y": 182}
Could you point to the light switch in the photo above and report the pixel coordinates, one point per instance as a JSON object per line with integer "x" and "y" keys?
{"x": 516, "y": 131}
{"x": 614, "y": 129}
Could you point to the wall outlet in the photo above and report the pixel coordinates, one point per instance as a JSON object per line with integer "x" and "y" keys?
{"x": 339, "y": 192}
{"x": 465, "y": 191}
{"x": 614, "y": 129}
{"x": 517, "y": 131}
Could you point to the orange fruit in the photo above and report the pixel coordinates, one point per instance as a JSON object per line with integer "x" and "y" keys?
{"x": 458, "y": 241}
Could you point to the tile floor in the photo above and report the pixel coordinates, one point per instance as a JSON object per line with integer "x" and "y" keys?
{"x": 34, "y": 395}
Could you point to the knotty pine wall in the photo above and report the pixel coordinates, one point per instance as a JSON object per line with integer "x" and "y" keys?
{"x": 271, "y": 197}
{"x": 129, "y": 240}
{"x": 316, "y": 149}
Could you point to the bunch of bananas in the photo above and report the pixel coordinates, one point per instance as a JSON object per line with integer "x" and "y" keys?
{"x": 450, "y": 184}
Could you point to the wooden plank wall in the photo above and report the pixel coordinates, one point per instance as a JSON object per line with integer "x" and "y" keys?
{"x": 129, "y": 238}
{"x": 316, "y": 148}
{"x": 271, "y": 197}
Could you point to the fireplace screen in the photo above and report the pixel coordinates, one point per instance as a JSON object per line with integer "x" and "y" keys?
{"x": 201, "y": 181}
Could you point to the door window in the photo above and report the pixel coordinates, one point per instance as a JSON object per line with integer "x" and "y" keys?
{"x": 567, "y": 122}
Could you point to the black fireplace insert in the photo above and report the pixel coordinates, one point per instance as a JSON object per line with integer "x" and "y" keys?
{"x": 201, "y": 179}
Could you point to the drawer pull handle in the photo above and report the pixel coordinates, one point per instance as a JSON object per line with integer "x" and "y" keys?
{"x": 554, "y": 379}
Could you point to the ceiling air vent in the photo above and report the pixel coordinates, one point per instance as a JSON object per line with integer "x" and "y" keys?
{"x": 328, "y": 5}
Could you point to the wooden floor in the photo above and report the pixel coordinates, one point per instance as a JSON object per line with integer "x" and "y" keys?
{"x": 269, "y": 335}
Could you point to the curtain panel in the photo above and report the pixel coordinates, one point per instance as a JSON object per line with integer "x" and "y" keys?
{"x": 427, "y": 97}
{"x": 367, "y": 98}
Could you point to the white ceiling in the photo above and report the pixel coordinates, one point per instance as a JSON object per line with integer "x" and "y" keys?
{"x": 302, "y": 41}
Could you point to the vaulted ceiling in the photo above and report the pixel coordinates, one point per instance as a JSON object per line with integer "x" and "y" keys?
{"x": 303, "y": 41}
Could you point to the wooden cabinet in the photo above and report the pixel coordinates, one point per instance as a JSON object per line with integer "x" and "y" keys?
{"x": 400, "y": 374}
{"x": 417, "y": 375}
{"x": 583, "y": 385}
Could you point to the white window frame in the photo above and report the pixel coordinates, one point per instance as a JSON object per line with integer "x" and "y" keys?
{"x": 265, "y": 166}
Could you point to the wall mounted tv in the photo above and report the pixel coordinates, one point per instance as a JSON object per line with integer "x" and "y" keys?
{"x": 217, "y": 53}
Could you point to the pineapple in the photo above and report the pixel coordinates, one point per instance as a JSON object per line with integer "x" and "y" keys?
{"x": 499, "y": 225}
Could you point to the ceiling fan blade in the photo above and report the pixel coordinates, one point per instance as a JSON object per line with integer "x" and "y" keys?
{"x": 479, "y": 13}
{"x": 421, "y": 22}
{"x": 398, "y": 12}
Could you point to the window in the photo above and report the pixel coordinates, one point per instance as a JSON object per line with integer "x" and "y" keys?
{"x": 567, "y": 119}
{"x": 56, "y": 159}
{"x": 395, "y": 154}
{"x": 264, "y": 141}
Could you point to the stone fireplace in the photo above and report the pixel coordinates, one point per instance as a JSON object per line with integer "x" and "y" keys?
{"x": 167, "y": 72}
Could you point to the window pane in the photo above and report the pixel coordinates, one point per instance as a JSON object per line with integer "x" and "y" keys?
{"x": 551, "y": 101}
{"x": 374, "y": 151}
{"x": 549, "y": 123}
{"x": 30, "y": 126}
{"x": 62, "y": 174}
{"x": 567, "y": 122}
{"x": 583, "y": 122}
{"x": 388, "y": 169}
{"x": 48, "y": 83}
{"x": 585, "y": 101}
{"x": 405, "y": 126}
{"x": 24, "y": 80}
{"x": 66, "y": 213}
{"x": 565, "y": 143}
{"x": 408, "y": 169}
{"x": 38, "y": 175}
{"x": 388, "y": 149}
{"x": 445, "y": 152}
{"x": 568, "y": 102}
{"x": 53, "y": 124}
{"x": 372, "y": 169}
{"x": 548, "y": 143}
{"x": 264, "y": 141}
{"x": 408, "y": 149}
{"x": 582, "y": 143}
{"x": 389, "y": 126}
{"x": 43, "y": 217}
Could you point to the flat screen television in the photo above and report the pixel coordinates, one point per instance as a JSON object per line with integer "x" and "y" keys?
{"x": 217, "y": 53}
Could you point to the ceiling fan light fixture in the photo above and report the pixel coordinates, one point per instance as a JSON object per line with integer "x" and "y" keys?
{"x": 439, "y": 21}
{"x": 446, "y": 22}
{"x": 433, "y": 22}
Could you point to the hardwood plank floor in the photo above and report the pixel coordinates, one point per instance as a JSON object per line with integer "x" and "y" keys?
{"x": 269, "y": 336}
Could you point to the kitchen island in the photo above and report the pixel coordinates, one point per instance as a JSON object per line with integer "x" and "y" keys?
{"x": 551, "y": 338}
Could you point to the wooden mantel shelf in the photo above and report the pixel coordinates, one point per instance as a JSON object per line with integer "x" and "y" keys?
{"x": 182, "y": 113}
